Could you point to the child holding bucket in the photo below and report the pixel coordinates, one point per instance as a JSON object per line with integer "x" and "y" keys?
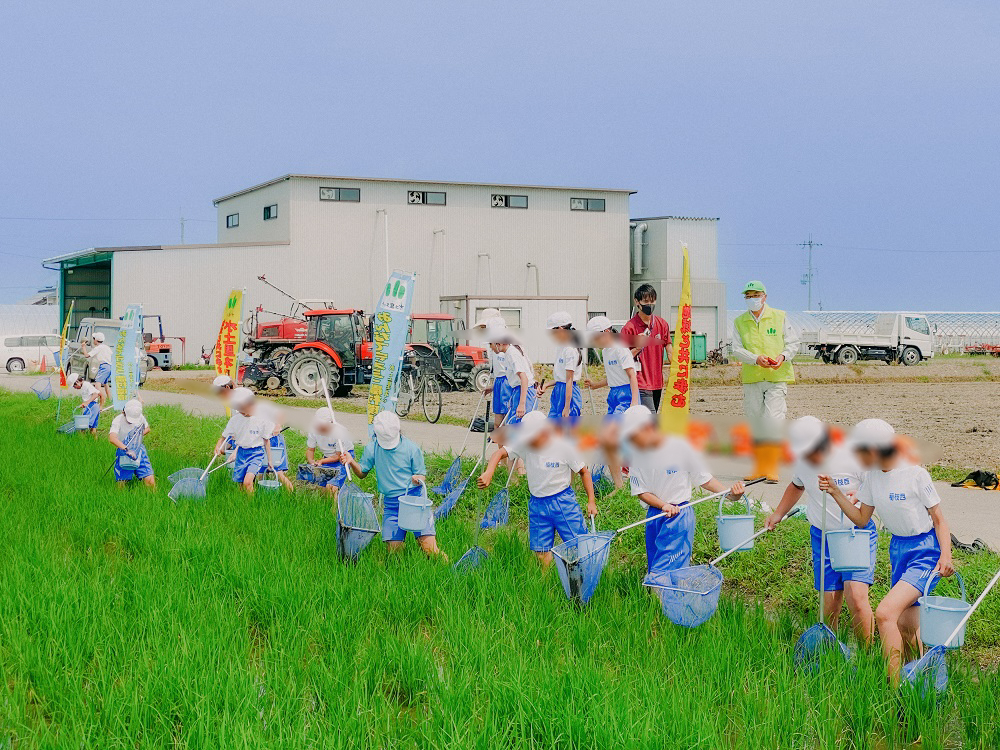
{"x": 566, "y": 403}
{"x": 621, "y": 377}
{"x": 663, "y": 473}
{"x": 127, "y": 431}
{"x": 550, "y": 462}
{"x": 334, "y": 445}
{"x": 815, "y": 455}
{"x": 399, "y": 471}
{"x": 90, "y": 398}
{"x": 520, "y": 373}
{"x": 909, "y": 507}
{"x": 279, "y": 449}
{"x": 499, "y": 389}
{"x": 249, "y": 431}
{"x": 100, "y": 358}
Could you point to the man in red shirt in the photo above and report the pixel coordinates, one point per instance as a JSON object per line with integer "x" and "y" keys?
{"x": 649, "y": 336}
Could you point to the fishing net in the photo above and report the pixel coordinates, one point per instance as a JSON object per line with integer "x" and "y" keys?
{"x": 580, "y": 562}
{"x": 450, "y": 477}
{"x": 498, "y": 511}
{"x": 448, "y": 503}
{"x": 188, "y": 486}
{"x": 317, "y": 474}
{"x": 357, "y": 521}
{"x": 471, "y": 560}
{"x": 928, "y": 673}
{"x": 689, "y": 596}
{"x": 814, "y": 644}
{"x": 66, "y": 429}
{"x": 42, "y": 388}
{"x": 192, "y": 473}
{"x": 603, "y": 484}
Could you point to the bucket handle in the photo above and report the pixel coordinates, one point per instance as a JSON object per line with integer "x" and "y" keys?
{"x": 746, "y": 501}
{"x": 933, "y": 575}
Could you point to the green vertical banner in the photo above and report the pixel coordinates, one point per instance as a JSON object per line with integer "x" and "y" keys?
{"x": 390, "y": 327}
{"x": 124, "y": 380}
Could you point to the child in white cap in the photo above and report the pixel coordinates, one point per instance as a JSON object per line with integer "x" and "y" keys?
{"x": 250, "y": 432}
{"x": 908, "y": 505}
{"x": 500, "y": 386}
{"x": 223, "y": 387}
{"x": 100, "y": 359}
{"x": 90, "y": 398}
{"x": 126, "y": 434}
{"x": 663, "y": 473}
{"x": 520, "y": 373}
{"x": 566, "y": 402}
{"x": 269, "y": 412}
{"x": 328, "y": 444}
{"x": 550, "y": 461}
{"x": 399, "y": 471}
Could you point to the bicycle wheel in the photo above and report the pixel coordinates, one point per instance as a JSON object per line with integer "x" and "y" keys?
{"x": 431, "y": 400}
{"x": 406, "y": 397}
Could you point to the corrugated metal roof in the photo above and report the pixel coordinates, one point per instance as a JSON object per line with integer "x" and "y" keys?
{"x": 144, "y": 248}
{"x": 678, "y": 218}
{"x": 276, "y": 180}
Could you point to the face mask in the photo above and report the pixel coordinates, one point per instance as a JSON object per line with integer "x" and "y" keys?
{"x": 646, "y": 309}
{"x": 754, "y": 304}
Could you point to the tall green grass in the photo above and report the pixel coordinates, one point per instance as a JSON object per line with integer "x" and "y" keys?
{"x": 128, "y": 621}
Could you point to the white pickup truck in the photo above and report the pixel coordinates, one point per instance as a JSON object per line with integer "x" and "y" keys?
{"x": 896, "y": 337}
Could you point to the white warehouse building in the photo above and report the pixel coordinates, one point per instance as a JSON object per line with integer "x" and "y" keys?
{"x": 537, "y": 249}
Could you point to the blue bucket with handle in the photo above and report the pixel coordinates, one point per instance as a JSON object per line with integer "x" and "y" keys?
{"x": 735, "y": 530}
{"x": 127, "y": 463}
{"x": 81, "y": 421}
{"x": 850, "y": 549}
{"x": 940, "y": 615}
{"x": 415, "y": 511}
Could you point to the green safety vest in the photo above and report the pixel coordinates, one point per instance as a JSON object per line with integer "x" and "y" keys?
{"x": 764, "y": 335}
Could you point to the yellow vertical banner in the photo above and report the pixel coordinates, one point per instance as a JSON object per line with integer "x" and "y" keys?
{"x": 227, "y": 346}
{"x": 675, "y": 411}
{"x": 62, "y": 344}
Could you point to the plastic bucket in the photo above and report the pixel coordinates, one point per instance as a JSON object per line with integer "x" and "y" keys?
{"x": 415, "y": 511}
{"x": 734, "y": 530}
{"x": 940, "y": 615}
{"x": 127, "y": 463}
{"x": 279, "y": 452}
{"x": 849, "y": 549}
{"x": 81, "y": 421}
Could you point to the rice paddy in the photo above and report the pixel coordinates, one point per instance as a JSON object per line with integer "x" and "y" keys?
{"x": 129, "y": 621}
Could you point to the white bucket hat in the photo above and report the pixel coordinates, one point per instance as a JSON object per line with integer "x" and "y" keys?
{"x": 241, "y": 398}
{"x": 133, "y": 411}
{"x": 71, "y": 380}
{"x": 634, "y": 419}
{"x": 386, "y": 428}
{"x": 805, "y": 435}
{"x": 488, "y": 314}
{"x": 532, "y": 424}
{"x": 99, "y": 337}
{"x": 559, "y": 319}
{"x": 873, "y": 433}
{"x": 221, "y": 381}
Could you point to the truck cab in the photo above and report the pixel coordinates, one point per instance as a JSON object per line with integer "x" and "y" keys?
{"x": 78, "y": 363}
{"x": 904, "y": 337}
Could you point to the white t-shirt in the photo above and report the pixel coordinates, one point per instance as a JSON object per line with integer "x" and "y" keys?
{"x": 518, "y": 362}
{"x": 329, "y": 444}
{"x": 844, "y": 470}
{"x": 567, "y": 358}
{"x": 671, "y": 471}
{"x": 550, "y": 470}
{"x": 101, "y": 355}
{"x": 121, "y": 427}
{"x": 498, "y": 364}
{"x": 618, "y": 359}
{"x": 901, "y": 498}
{"x": 88, "y": 392}
{"x": 248, "y": 432}
{"x": 269, "y": 413}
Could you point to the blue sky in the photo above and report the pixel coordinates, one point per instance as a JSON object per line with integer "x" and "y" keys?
{"x": 872, "y": 126}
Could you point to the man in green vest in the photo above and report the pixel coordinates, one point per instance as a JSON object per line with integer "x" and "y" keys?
{"x": 765, "y": 343}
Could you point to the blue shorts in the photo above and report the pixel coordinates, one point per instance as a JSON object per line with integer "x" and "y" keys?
{"x": 390, "y": 520}
{"x": 501, "y": 394}
{"x": 249, "y": 461}
{"x": 530, "y": 402}
{"x": 143, "y": 470}
{"x": 834, "y": 580}
{"x": 669, "y": 541}
{"x": 103, "y": 374}
{"x": 547, "y": 515}
{"x": 912, "y": 558}
{"x": 557, "y": 403}
{"x": 93, "y": 410}
{"x": 619, "y": 399}
{"x": 279, "y": 453}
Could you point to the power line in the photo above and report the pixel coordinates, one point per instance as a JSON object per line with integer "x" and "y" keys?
{"x": 955, "y": 251}
{"x": 63, "y": 218}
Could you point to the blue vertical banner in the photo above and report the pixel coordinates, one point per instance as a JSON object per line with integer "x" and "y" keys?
{"x": 390, "y": 327}
{"x": 125, "y": 382}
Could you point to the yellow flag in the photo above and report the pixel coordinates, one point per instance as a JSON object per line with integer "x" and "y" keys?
{"x": 675, "y": 411}
{"x": 227, "y": 346}
{"x": 62, "y": 344}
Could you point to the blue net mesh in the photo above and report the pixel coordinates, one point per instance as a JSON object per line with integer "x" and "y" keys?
{"x": 448, "y": 503}
{"x": 580, "y": 562}
{"x": 357, "y": 521}
{"x": 689, "y": 596}
{"x": 42, "y": 388}
{"x": 498, "y": 511}
{"x": 471, "y": 560}
{"x": 815, "y": 644}
{"x": 929, "y": 673}
{"x": 316, "y": 474}
{"x": 603, "y": 484}
{"x": 189, "y": 487}
{"x": 192, "y": 473}
{"x": 450, "y": 477}
{"x": 67, "y": 428}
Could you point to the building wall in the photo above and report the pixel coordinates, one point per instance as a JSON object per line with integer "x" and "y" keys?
{"x": 250, "y": 207}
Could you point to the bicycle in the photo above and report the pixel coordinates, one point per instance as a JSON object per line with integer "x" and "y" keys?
{"x": 417, "y": 381}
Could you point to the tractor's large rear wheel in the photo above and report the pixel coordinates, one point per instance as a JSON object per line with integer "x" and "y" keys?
{"x": 307, "y": 369}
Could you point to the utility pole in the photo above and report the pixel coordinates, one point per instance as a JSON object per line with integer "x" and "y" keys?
{"x": 807, "y": 278}
{"x": 182, "y": 228}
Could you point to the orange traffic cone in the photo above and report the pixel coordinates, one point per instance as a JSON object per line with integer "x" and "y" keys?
{"x": 43, "y": 368}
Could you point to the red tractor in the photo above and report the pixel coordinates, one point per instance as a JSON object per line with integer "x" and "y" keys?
{"x": 438, "y": 334}
{"x": 337, "y": 349}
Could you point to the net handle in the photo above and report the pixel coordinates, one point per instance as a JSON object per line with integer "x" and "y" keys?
{"x": 207, "y": 468}
{"x": 736, "y": 548}
{"x": 468, "y": 430}
{"x": 687, "y": 504}
{"x": 979, "y": 600}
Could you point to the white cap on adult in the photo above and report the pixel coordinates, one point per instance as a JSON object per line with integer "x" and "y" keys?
{"x": 99, "y": 337}
{"x": 805, "y": 435}
{"x": 386, "y": 428}
{"x": 133, "y": 411}
{"x": 71, "y": 380}
{"x": 486, "y": 315}
{"x": 222, "y": 381}
{"x": 634, "y": 419}
{"x": 241, "y": 398}
{"x": 873, "y": 433}
{"x": 532, "y": 424}
{"x": 559, "y": 319}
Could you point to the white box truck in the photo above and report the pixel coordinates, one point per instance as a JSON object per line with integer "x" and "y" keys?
{"x": 897, "y": 337}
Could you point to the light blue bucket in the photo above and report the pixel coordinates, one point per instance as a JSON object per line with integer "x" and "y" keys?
{"x": 279, "y": 451}
{"x": 126, "y": 463}
{"x": 735, "y": 530}
{"x": 850, "y": 549}
{"x": 940, "y": 615}
{"x": 269, "y": 485}
{"x": 415, "y": 511}
{"x": 81, "y": 421}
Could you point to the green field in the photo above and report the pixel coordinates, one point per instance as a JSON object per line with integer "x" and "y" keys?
{"x": 129, "y": 622}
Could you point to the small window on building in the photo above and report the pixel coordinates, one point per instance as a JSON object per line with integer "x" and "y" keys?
{"x": 419, "y": 197}
{"x": 509, "y": 201}
{"x": 271, "y": 212}
{"x": 586, "y": 204}
{"x": 340, "y": 194}
{"x": 233, "y": 220}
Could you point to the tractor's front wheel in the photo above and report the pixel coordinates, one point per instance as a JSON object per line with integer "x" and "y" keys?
{"x": 479, "y": 378}
{"x": 307, "y": 371}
